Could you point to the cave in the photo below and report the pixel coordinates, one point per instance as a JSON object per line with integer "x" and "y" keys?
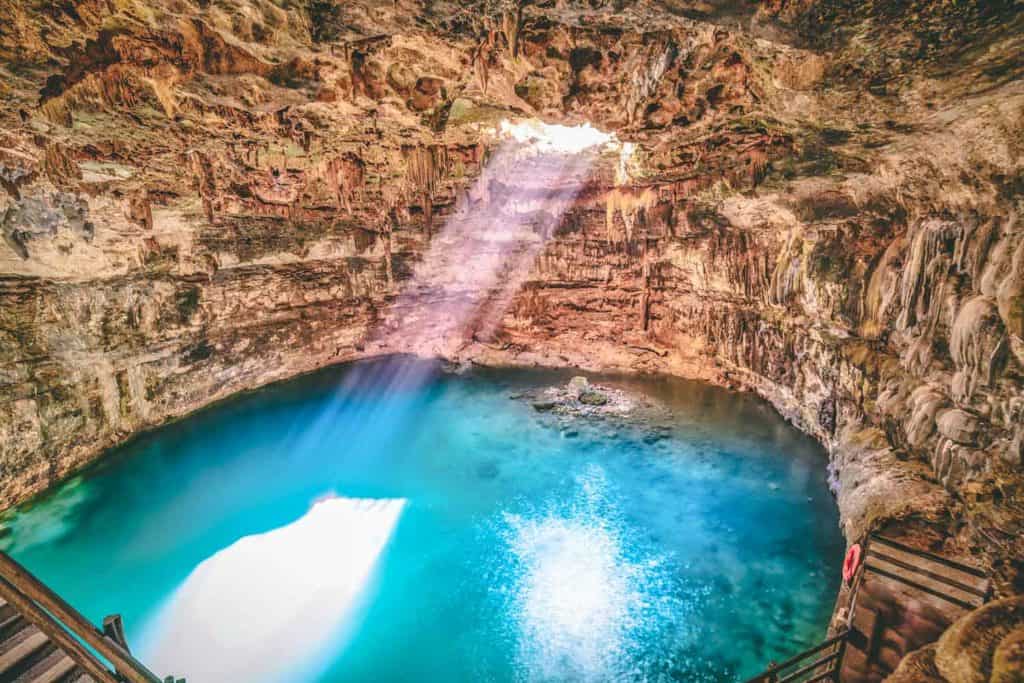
{"x": 511, "y": 340}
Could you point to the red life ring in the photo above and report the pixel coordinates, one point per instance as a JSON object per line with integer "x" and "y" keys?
{"x": 851, "y": 562}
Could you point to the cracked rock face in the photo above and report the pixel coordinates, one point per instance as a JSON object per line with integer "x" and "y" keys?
{"x": 817, "y": 200}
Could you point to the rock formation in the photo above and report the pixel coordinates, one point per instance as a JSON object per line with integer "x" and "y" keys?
{"x": 817, "y": 200}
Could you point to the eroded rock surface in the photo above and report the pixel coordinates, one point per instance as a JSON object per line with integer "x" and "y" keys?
{"x": 819, "y": 201}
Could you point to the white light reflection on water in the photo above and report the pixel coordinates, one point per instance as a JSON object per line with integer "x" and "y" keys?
{"x": 271, "y": 607}
{"x": 587, "y": 600}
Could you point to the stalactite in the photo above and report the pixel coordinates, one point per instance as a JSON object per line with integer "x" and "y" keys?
{"x": 427, "y": 166}
{"x": 481, "y": 58}
{"x": 512, "y": 22}
{"x": 646, "y": 79}
{"x": 645, "y": 298}
{"x": 787, "y": 276}
{"x": 757, "y": 161}
{"x": 390, "y": 221}
{"x": 345, "y": 174}
{"x": 356, "y": 60}
{"x": 202, "y": 171}
{"x": 978, "y": 346}
{"x": 627, "y": 203}
{"x": 59, "y": 165}
{"x": 139, "y": 210}
{"x": 926, "y": 262}
{"x": 882, "y": 290}
{"x": 480, "y": 68}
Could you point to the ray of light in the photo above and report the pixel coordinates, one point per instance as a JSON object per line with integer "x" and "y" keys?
{"x": 237, "y": 616}
{"x": 475, "y": 265}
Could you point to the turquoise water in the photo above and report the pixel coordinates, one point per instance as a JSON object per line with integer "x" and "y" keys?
{"x": 383, "y": 522}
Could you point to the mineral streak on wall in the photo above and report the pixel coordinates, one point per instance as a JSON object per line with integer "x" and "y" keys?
{"x": 821, "y": 201}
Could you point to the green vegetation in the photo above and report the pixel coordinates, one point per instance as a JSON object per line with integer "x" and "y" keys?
{"x": 187, "y": 301}
{"x": 325, "y": 20}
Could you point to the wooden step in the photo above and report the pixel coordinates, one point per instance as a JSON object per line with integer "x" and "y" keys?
{"x": 11, "y": 624}
{"x": 966, "y": 579}
{"x": 19, "y": 651}
{"x": 52, "y": 668}
{"x": 938, "y": 589}
{"x": 938, "y": 578}
{"x": 5, "y": 610}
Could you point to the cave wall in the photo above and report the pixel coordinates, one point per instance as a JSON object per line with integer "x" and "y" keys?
{"x": 821, "y": 204}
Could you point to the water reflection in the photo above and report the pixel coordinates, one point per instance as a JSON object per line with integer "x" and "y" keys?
{"x": 270, "y": 607}
{"x": 588, "y": 599}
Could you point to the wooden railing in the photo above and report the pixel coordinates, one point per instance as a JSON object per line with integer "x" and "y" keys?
{"x": 820, "y": 663}
{"x": 68, "y": 629}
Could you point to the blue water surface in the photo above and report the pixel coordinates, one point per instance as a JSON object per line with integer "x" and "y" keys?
{"x": 460, "y": 534}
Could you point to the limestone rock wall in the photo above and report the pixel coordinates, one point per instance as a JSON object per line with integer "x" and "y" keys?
{"x": 820, "y": 201}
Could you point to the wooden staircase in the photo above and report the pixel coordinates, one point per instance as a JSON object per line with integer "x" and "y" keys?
{"x": 43, "y": 639}
{"x": 26, "y": 654}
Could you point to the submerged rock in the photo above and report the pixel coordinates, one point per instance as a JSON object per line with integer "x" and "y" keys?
{"x": 578, "y": 397}
{"x": 654, "y": 437}
{"x": 487, "y": 470}
{"x": 593, "y": 398}
{"x": 583, "y": 409}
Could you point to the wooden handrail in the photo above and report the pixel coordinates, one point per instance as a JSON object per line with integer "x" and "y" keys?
{"x": 34, "y": 600}
{"x": 774, "y": 672}
{"x": 828, "y": 659}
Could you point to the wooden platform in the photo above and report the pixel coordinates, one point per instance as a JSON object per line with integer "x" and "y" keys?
{"x": 27, "y": 655}
{"x": 904, "y": 598}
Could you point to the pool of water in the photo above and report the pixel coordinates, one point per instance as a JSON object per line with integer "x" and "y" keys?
{"x": 382, "y": 522}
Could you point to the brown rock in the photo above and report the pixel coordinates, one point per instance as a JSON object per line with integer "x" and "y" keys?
{"x": 1010, "y": 296}
{"x": 965, "y": 652}
{"x": 959, "y": 426}
{"x": 917, "y": 667}
{"x": 1008, "y": 659}
{"x": 796, "y": 213}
